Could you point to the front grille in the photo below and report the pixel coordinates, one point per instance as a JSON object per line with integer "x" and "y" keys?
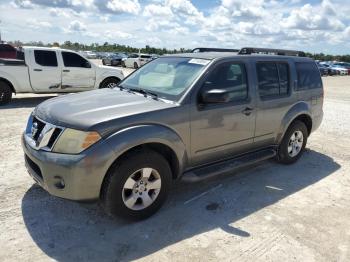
{"x": 33, "y": 166}
{"x": 54, "y": 137}
{"x": 40, "y": 128}
{"x": 42, "y": 135}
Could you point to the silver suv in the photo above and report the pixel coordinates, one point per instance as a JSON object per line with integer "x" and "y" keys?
{"x": 186, "y": 116}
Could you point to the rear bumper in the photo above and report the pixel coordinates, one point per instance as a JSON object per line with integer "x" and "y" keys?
{"x": 75, "y": 177}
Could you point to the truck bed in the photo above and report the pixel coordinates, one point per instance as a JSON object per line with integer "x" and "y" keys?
{"x": 12, "y": 62}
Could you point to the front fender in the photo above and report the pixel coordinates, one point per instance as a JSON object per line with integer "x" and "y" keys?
{"x": 296, "y": 110}
{"x": 130, "y": 137}
{"x": 103, "y": 73}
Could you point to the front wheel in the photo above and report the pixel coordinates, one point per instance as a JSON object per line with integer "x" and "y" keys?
{"x": 110, "y": 83}
{"x": 137, "y": 186}
{"x": 293, "y": 143}
{"x": 5, "y": 93}
{"x": 136, "y": 65}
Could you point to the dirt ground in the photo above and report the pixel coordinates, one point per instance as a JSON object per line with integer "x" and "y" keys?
{"x": 268, "y": 212}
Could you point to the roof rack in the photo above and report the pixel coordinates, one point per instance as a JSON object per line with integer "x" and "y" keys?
{"x": 270, "y": 51}
{"x": 206, "y": 49}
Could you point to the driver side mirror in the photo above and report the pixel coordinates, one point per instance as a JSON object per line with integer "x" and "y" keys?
{"x": 215, "y": 96}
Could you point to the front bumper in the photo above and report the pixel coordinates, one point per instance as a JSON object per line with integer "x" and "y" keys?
{"x": 82, "y": 174}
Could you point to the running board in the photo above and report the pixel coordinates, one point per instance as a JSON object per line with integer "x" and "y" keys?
{"x": 226, "y": 166}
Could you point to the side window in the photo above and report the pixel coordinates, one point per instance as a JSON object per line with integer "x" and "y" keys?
{"x": 45, "y": 58}
{"x": 283, "y": 70}
{"x": 231, "y": 77}
{"x": 308, "y": 76}
{"x": 273, "y": 79}
{"x": 74, "y": 60}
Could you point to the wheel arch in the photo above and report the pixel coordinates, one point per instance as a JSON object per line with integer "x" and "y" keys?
{"x": 9, "y": 83}
{"x": 108, "y": 78}
{"x": 160, "y": 139}
{"x": 300, "y": 111}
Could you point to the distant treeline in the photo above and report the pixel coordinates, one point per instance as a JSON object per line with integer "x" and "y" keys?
{"x": 106, "y": 47}
{"x": 109, "y": 47}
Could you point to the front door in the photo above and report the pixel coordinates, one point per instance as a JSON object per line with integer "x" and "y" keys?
{"x": 45, "y": 74}
{"x": 77, "y": 73}
{"x": 222, "y": 130}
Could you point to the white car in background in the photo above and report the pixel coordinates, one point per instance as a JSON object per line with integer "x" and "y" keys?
{"x": 136, "y": 60}
{"x": 53, "y": 70}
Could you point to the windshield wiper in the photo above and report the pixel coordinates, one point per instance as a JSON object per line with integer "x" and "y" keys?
{"x": 143, "y": 91}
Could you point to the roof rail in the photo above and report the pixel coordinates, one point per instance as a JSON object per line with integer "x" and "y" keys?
{"x": 206, "y": 49}
{"x": 270, "y": 51}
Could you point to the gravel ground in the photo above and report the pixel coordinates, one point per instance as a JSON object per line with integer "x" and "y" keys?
{"x": 268, "y": 212}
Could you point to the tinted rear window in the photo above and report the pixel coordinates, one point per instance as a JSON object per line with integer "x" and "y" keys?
{"x": 145, "y": 56}
{"x": 308, "y": 76}
{"x": 273, "y": 79}
{"x": 45, "y": 58}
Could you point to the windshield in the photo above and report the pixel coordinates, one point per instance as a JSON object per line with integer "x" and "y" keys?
{"x": 167, "y": 77}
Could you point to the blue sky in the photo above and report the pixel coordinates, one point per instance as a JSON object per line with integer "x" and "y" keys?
{"x": 314, "y": 26}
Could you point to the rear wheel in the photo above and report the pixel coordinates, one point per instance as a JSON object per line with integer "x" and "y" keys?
{"x": 137, "y": 186}
{"x": 136, "y": 65}
{"x": 123, "y": 64}
{"x": 293, "y": 143}
{"x": 5, "y": 93}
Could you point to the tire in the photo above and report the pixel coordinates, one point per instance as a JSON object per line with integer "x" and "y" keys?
{"x": 136, "y": 66}
{"x": 290, "y": 151}
{"x": 123, "y": 64}
{"x": 103, "y": 62}
{"x": 114, "y": 196}
{"x": 110, "y": 83}
{"x": 5, "y": 93}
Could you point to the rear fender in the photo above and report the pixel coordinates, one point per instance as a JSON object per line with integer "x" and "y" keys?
{"x": 296, "y": 110}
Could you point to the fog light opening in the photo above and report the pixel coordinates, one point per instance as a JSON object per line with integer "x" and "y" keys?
{"x": 59, "y": 182}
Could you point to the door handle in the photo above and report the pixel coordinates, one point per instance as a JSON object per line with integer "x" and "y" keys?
{"x": 38, "y": 70}
{"x": 66, "y": 70}
{"x": 247, "y": 111}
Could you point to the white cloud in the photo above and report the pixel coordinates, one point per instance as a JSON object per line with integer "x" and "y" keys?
{"x": 157, "y": 10}
{"x": 124, "y": 6}
{"x": 76, "y": 27}
{"x": 309, "y": 17}
{"x": 35, "y": 24}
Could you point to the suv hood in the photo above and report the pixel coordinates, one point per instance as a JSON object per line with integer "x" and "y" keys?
{"x": 84, "y": 111}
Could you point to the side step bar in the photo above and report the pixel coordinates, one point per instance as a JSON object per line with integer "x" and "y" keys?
{"x": 226, "y": 166}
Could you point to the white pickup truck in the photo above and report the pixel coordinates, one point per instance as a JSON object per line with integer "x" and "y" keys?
{"x": 53, "y": 70}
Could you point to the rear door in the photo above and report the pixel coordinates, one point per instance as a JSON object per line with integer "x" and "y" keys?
{"x": 275, "y": 98}
{"x": 78, "y": 74}
{"x": 45, "y": 74}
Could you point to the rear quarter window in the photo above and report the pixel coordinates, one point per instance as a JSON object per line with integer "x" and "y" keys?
{"x": 308, "y": 76}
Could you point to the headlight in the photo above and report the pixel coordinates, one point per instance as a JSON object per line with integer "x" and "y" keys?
{"x": 74, "y": 141}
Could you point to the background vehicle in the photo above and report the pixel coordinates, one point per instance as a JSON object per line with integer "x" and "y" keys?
{"x": 331, "y": 71}
{"x": 114, "y": 59}
{"x": 343, "y": 65}
{"x": 137, "y": 60}
{"x": 53, "y": 70}
{"x": 186, "y": 116}
{"x": 90, "y": 55}
{"x": 324, "y": 71}
{"x": 339, "y": 69}
{"x": 7, "y": 51}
